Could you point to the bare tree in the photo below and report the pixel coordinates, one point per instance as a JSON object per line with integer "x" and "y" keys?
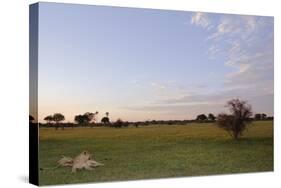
{"x": 238, "y": 119}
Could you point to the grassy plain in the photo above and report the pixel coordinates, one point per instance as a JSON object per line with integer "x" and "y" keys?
{"x": 156, "y": 152}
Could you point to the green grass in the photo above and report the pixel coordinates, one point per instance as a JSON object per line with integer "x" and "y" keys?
{"x": 156, "y": 152}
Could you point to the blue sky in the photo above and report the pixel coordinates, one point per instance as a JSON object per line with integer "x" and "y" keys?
{"x": 144, "y": 64}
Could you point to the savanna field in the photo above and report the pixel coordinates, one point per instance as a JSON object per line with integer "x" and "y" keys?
{"x": 155, "y": 152}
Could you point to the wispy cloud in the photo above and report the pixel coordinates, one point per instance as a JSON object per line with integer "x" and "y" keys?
{"x": 177, "y": 111}
{"x": 246, "y": 42}
{"x": 234, "y": 26}
{"x": 213, "y": 50}
{"x": 211, "y": 102}
{"x": 157, "y": 85}
{"x": 201, "y": 19}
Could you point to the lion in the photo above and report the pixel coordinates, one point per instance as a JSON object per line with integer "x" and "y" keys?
{"x": 82, "y": 161}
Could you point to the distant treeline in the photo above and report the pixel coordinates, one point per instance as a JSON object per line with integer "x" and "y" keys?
{"x": 89, "y": 119}
{"x": 119, "y": 123}
{"x": 235, "y": 122}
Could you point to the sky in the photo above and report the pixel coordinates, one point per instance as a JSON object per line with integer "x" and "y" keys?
{"x": 147, "y": 64}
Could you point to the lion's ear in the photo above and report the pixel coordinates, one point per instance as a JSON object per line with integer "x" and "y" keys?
{"x": 85, "y": 152}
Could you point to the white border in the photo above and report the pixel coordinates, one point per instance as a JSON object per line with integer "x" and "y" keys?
{"x": 14, "y": 90}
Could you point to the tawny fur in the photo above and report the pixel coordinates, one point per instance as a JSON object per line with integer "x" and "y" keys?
{"x": 65, "y": 161}
{"x": 82, "y": 161}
